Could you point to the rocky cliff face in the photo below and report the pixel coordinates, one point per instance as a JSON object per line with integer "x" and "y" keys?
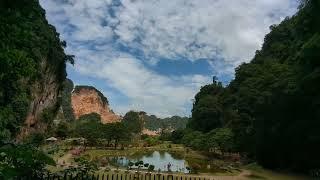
{"x": 87, "y": 99}
{"x": 44, "y": 95}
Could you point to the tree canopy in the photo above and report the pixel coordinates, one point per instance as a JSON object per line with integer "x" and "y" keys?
{"x": 133, "y": 121}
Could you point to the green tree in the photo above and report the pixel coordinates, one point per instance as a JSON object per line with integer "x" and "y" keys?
{"x": 133, "y": 122}
{"x": 62, "y": 130}
{"x": 207, "y": 109}
{"x": 89, "y": 126}
{"x": 194, "y": 139}
{"x": 221, "y": 138}
{"x": 176, "y": 136}
{"x": 119, "y": 134}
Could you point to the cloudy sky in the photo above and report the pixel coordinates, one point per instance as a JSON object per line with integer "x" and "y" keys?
{"x": 154, "y": 55}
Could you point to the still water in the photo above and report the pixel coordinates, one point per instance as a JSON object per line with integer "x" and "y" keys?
{"x": 161, "y": 160}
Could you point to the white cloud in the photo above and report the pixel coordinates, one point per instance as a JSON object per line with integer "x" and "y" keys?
{"x": 86, "y": 18}
{"x": 102, "y": 35}
{"x": 203, "y": 29}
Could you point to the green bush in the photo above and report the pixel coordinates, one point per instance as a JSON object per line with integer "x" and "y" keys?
{"x": 130, "y": 164}
{"x": 151, "y": 167}
{"x": 19, "y": 161}
{"x": 35, "y": 139}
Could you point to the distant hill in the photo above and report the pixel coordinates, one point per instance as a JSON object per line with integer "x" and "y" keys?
{"x": 87, "y": 100}
{"x": 152, "y": 122}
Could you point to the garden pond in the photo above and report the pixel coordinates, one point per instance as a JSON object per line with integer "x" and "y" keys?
{"x": 162, "y": 161}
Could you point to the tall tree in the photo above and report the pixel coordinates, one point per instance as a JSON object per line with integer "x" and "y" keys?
{"x": 133, "y": 122}
{"x": 207, "y": 108}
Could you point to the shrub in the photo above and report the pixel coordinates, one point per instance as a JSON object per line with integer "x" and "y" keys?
{"x": 19, "y": 161}
{"x": 151, "y": 167}
{"x": 130, "y": 163}
{"x": 35, "y": 139}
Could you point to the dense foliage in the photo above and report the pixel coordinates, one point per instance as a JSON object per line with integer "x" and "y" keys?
{"x": 19, "y": 161}
{"x": 152, "y": 122}
{"x": 207, "y": 112}
{"x": 133, "y": 121}
{"x": 273, "y": 104}
{"x": 218, "y": 140}
{"x": 27, "y": 43}
{"x": 89, "y": 126}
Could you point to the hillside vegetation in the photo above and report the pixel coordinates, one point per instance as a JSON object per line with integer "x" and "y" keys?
{"x": 30, "y": 54}
{"x": 32, "y": 69}
{"x": 152, "y": 122}
{"x": 273, "y": 104}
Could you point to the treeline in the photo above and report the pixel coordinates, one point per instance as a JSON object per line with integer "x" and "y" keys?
{"x": 218, "y": 140}
{"x": 272, "y": 107}
{"x": 152, "y": 122}
{"x": 89, "y": 126}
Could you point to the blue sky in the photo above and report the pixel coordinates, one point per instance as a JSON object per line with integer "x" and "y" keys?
{"x": 154, "y": 55}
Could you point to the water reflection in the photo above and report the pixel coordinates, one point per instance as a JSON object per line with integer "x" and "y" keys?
{"x": 161, "y": 160}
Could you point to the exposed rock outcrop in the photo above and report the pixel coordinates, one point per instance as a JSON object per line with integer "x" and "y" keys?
{"x": 87, "y": 99}
{"x": 44, "y": 93}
